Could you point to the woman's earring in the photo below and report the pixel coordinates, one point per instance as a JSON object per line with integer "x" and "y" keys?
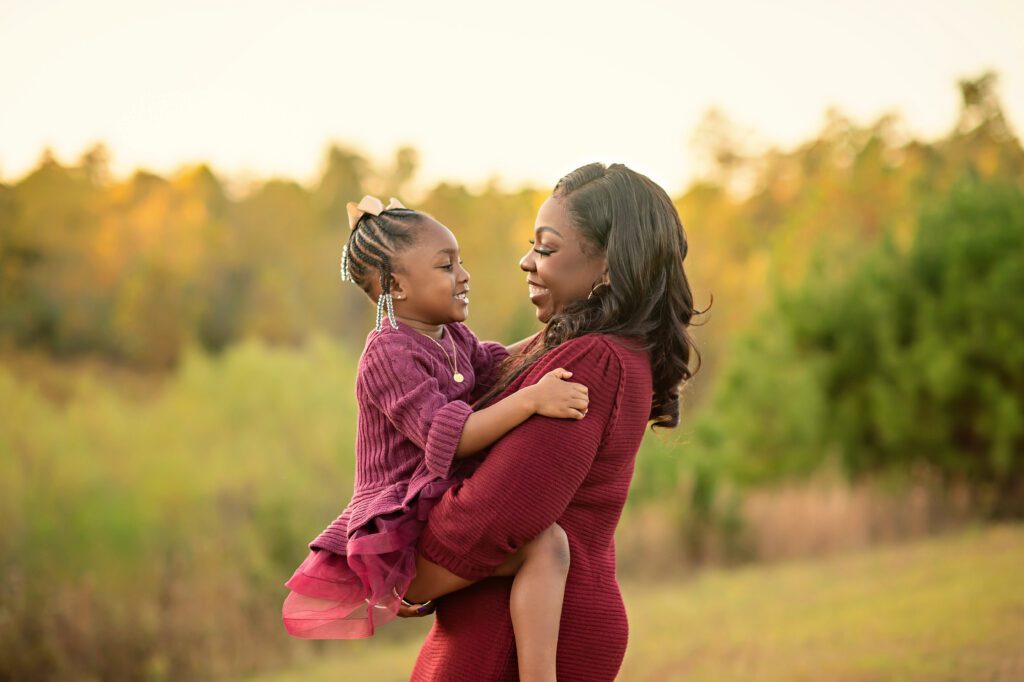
{"x": 599, "y": 290}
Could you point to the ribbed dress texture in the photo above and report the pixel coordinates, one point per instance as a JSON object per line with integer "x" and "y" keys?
{"x": 576, "y": 473}
{"x": 411, "y": 416}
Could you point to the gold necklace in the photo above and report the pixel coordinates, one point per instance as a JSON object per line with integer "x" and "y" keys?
{"x": 453, "y": 361}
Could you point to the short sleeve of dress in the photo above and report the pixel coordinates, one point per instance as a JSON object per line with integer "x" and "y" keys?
{"x": 531, "y": 475}
{"x": 398, "y": 378}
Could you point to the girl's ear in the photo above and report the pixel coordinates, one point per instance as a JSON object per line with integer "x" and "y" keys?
{"x": 397, "y": 291}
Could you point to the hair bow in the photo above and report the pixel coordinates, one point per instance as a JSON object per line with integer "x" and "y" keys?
{"x": 371, "y": 205}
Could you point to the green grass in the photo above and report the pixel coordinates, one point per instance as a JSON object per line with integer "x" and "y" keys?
{"x": 949, "y": 608}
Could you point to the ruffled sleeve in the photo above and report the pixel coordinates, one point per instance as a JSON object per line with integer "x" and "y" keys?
{"x": 531, "y": 475}
{"x": 398, "y": 378}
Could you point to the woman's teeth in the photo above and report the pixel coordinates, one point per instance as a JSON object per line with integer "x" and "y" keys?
{"x": 536, "y": 291}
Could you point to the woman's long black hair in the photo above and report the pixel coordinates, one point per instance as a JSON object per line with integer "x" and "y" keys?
{"x": 631, "y": 220}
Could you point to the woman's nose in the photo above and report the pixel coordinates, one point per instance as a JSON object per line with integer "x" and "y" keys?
{"x": 526, "y": 262}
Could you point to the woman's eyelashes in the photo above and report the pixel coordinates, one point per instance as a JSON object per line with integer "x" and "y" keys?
{"x": 540, "y": 250}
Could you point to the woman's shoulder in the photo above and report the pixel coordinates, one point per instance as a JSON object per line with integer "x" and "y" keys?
{"x": 597, "y": 347}
{"x": 591, "y": 356}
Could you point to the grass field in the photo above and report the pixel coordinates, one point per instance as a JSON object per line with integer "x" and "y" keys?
{"x": 949, "y": 608}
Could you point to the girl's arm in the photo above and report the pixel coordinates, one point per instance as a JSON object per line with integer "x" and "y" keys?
{"x": 552, "y": 396}
{"x": 522, "y": 487}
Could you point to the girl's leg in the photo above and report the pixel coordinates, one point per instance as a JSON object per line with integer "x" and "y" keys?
{"x": 540, "y": 568}
{"x": 537, "y": 594}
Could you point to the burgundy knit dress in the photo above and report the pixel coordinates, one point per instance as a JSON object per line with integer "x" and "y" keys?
{"x": 411, "y": 416}
{"x": 576, "y": 473}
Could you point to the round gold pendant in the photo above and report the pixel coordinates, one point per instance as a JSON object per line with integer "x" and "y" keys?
{"x": 458, "y": 377}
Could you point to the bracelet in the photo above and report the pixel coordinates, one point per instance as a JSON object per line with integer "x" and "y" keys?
{"x": 429, "y": 602}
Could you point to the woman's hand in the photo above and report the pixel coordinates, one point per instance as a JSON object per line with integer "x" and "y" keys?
{"x": 555, "y": 397}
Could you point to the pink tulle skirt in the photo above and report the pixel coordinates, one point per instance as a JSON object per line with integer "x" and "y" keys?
{"x": 336, "y": 596}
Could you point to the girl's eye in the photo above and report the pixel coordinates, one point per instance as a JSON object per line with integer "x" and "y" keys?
{"x": 449, "y": 266}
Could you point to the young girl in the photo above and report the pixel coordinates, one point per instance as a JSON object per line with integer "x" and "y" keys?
{"x": 417, "y": 377}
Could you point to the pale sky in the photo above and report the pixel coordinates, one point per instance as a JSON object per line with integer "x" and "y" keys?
{"x": 524, "y": 91}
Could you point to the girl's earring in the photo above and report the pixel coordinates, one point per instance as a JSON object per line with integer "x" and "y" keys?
{"x": 344, "y": 265}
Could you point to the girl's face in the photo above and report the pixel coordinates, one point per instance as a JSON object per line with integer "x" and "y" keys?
{"x": 432, "y": 286}
{"x": 558, "y": 270}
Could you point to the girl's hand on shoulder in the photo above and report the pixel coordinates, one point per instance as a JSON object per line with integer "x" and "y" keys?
{"x": 556, "y": 397}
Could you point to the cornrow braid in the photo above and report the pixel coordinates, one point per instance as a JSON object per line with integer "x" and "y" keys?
{"x": 373, "y": 244}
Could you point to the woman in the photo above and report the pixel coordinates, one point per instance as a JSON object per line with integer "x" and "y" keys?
{"x": 605, "y": 273}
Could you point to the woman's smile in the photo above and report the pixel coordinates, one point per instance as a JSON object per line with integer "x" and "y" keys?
{"x": 536, "y": 290}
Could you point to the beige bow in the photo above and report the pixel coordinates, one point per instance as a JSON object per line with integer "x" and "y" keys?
{"x": 371, "y": 205}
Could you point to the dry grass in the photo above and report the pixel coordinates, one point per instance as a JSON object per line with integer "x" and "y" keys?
{"x": 818, "y": 517}
{"x": 949, "y": 608}
{"x": 829, "y": 515}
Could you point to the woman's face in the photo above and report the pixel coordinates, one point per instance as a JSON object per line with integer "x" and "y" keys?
{"x": 558, "y": 269}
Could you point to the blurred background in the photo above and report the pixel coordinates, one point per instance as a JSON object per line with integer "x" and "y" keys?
{"x": 843, "y": 498}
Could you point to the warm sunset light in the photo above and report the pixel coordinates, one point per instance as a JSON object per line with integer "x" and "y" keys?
{"x": 645, "y": 342}
{"x": 521, "y": 92}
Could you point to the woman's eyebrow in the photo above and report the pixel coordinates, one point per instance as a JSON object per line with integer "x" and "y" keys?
{"x": 545, "y": 228}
